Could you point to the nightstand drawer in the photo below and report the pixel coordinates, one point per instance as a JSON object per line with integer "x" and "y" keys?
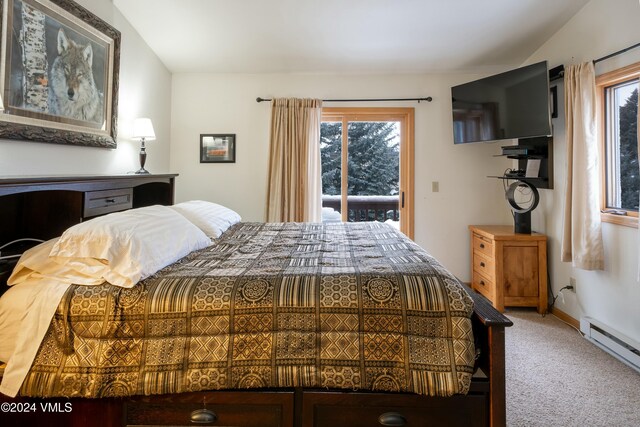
{"x": 483, "y": 245}
{"x": 107, "y": 201}
{"x": 483, "y": 284}
{"x": 484, "y": 265}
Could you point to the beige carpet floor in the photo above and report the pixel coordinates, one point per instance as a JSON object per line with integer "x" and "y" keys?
{"x": 557, "y": 378}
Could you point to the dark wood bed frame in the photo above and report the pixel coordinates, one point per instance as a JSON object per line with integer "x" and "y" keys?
{"x": 43, "y": 207}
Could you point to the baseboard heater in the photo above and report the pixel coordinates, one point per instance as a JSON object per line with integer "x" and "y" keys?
{"x": 623, "y": 348}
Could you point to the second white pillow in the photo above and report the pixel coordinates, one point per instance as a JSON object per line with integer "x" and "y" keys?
{"x": 212, "y": 218}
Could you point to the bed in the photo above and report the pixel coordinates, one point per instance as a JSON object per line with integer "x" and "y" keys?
{"x": 332, "y": 325}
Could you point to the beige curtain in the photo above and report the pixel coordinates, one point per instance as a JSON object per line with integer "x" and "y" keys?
{"x": 582, "y": 234}
{"x": 294, "y": 192}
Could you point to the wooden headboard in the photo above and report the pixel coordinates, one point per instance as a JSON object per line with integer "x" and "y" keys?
{"x": 43, "y": 207}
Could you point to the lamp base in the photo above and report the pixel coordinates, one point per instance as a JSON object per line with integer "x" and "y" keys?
{"x": 143, "y": 158}
{"x": 522, "y": 222}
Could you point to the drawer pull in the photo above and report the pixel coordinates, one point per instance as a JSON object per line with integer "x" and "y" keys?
{"x": 110, "y": 200}
{"x": 482, "y": 282}
{"x": 392, "y": 419}
{"x": 203, "y": 416}
{"x": 481, "y": 245}
{"x": 482, "y": 264}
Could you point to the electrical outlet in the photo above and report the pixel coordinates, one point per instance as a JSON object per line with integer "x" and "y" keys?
{"x": 572, "y": 282}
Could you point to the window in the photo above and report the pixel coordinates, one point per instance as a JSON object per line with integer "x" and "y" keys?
{"x": 367, "y": 165}
{"x": 618, "y": 111}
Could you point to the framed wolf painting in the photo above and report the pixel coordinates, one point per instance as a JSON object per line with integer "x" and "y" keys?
{"x": 58, "y": 74}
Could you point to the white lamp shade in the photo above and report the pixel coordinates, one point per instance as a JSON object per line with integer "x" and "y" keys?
{"x": 142, "y": 128}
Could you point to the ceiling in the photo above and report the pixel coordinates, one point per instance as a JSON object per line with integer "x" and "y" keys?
{"x": 345, "y": 36}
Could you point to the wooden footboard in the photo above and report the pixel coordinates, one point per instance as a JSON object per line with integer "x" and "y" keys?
{"x": 488, "y": 330}
{"x": 485, "y": 405}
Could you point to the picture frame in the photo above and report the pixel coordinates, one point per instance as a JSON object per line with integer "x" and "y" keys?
{"x": 218, "y": 148}
{"x": 59, "y": 74}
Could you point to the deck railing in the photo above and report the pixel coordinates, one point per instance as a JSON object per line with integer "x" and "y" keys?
{"x": 366, "y": 208}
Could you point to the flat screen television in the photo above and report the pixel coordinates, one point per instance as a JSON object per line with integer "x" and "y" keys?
{"x": 510, "y": 105}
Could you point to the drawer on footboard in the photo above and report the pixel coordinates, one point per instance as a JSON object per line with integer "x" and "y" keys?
{"x": 246, "y": 409}
{"x": 325, "y": 409}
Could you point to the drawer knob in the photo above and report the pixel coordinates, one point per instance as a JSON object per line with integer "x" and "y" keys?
{"x": 392, "y": 419}
{"x": 203, "y": 416}
{"x": 482, "y": 282}
{"x": 481, "y": 245}
{"x": 482, "y": 264}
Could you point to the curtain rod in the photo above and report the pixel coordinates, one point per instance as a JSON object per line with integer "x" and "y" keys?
{"x": 611, "y": 55}
{"x": 428, "y": 99}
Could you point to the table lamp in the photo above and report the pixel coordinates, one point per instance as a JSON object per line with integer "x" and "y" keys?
{"x": 143, "y": 130}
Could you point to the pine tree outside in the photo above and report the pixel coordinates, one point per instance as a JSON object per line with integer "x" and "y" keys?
{"x": 629, "y": 170}
{"x": 373, "y": 170}
{"x": 623, "y": 172}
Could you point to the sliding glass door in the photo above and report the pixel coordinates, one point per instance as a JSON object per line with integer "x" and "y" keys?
{"x": 367, "y": 165}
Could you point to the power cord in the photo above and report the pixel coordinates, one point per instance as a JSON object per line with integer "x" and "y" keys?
{"x": 553, "y": 300}
{"x": 504, "y": 187}
{"x": 27, "y": 239}
{"x": 559, "y": 294}
{"x": 560, "y": 318}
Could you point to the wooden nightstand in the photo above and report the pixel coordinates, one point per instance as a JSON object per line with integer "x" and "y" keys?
{"x": 509, "y": 269}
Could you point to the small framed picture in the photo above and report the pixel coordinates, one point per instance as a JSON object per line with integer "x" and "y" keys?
{"x": 218, "y": 148}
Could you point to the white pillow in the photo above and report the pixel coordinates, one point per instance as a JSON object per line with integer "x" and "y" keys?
{"x": 131, "y": 245}
{"x": 212, "y": 218}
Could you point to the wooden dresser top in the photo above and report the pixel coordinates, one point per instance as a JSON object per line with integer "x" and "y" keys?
{"x": 504, "y": 232}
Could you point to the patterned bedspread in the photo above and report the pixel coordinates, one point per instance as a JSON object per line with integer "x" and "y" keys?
{"x": 347, "y": 306}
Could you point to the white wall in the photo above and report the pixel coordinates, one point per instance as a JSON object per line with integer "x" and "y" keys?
{"x": 213, "y": 103}
{"x": 145, "y": 91}
{"x": 611, "y": 296}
